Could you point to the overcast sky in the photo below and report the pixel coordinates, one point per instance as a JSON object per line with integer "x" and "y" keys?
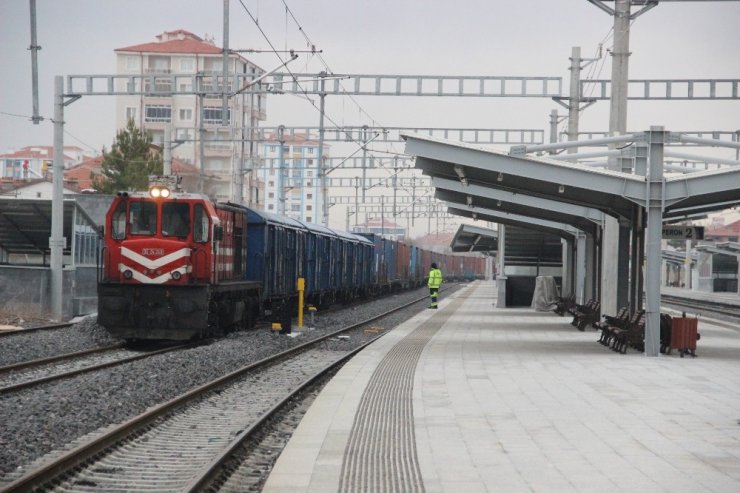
{"x": 675, "y": 40}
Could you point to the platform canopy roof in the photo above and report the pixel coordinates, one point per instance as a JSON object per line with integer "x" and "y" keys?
{"x": 615, "y": 193}
{"x": 731, "y": 248}
{"x": 564, "y": 231}
{"x": 25, "y": 224}
{"x": 471, "y": 238}
{"x": 459, "y": 196}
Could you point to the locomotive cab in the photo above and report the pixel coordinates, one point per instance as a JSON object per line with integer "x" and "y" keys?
{"x": 165, "y": 269}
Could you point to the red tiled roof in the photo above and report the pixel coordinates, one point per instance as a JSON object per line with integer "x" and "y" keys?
{"x": 189, "y": 43}
{"x": 81, "y": 172}
{"x": 34, "y": 152}
{"x": 732, "y": 229}
{"x": 435, "y": 239}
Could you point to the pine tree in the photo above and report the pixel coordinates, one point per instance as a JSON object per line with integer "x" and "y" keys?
{"x": 129, "y": 163}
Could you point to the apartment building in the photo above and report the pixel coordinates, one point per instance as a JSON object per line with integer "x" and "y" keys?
{"x": 199, "y": 136}
{"x": 291, "y": 177}
{"x": 33, "y": 162}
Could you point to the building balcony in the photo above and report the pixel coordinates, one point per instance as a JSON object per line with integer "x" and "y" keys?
{"x": 221, "y": 149}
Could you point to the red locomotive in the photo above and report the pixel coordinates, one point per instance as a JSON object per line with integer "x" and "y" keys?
{"x": 173, "y": 267}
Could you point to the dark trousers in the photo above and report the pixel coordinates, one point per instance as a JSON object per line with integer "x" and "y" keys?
{"x": 433, "y": 293}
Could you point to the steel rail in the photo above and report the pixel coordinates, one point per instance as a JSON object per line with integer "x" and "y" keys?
{"x": 52, "y": 359}
{"x": 210, "y": 473}
{"x": 84, "y": 452}
{"x": 79, "y": 371}
{"x": 35, "y": 329}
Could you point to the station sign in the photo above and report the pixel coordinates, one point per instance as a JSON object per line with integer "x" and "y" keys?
{"x": 683, "y": 232}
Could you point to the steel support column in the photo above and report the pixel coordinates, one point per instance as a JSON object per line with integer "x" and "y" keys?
{"x": 581, "y": 271}
{"x": 654, "y": 204}
{"x": 501, "y": 276}
{"x": 57, "y": 241}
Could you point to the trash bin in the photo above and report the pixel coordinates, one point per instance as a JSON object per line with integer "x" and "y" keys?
{"x": 684, "y": 335}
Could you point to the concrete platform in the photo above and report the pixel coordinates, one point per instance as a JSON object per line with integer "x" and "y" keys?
{"x": 512, "y": 400}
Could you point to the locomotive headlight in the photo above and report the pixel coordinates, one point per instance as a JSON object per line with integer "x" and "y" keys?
{"x": 158, "y": 191}
{"x": 127, "y": 274}
{"x": 176, "y": 275}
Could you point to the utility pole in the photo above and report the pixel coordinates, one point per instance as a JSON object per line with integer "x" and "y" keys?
{"x": 357, "y": 199}
{"x": 615, "y": 293}
{"x": 201, "y": 145}
{"x": 281, "y": 167}
{"x": 34, "y": 65}
{"x": 322, "y": 166}
{"x": 57, "y": 240}
{"x": 364, "y": 159}
{"x": 167, "y": 150}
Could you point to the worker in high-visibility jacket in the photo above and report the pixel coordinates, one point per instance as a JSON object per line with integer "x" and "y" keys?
{"x": 435, "y": 281}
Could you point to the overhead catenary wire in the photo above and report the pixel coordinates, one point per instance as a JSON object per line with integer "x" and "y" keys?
{"x": 304, "y": 94}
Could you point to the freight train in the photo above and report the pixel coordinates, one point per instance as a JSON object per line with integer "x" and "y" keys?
{"x": 178, "y": 266}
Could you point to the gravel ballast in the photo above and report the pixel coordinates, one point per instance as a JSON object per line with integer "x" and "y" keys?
{"x": 86, "y": 334}
{"x": 45, "y": 418}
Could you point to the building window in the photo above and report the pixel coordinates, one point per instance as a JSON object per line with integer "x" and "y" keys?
{"x": 271, "y": 195}
{"x": 308, "y": 207}
{"x": 159, "y": 64}
{"x": 270, "y": 207}
{"x": 272, "y": 172}
{"x": 310, "y": 151}
{"x": 310, "y": 162}
{"x": 186, "y": 114}
{"x": 270, "y": 183}
{"x": 131, "y": 113}
{"x": 309, "y": 196}
{"x": 184, "y": 134}
{"x": 309, "y": 183}
{"x": 214, "y": 65}
{"x": 187, "y": 65}
{"x": 185, "y": 86}
{"x": 308, "y": 218}
{"x": 309, "y": 173}
{"x": 296, "y": 173}
{"x": 133, "y": 63}
{"x": 295, "y": 207}
{"x": 157, "y": 113}
{"x": 212, "y": 115}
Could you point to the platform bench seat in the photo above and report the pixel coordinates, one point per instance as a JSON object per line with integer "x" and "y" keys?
{"x": 564, "y": 304}
{"x": 620, "y": 320}
{"x": 585, "y": 315}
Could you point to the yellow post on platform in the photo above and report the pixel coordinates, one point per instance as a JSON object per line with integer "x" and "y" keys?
{"x": 301, "y": 286}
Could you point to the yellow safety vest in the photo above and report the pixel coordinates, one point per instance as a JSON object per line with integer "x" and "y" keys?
{"x": 435, "y": 278}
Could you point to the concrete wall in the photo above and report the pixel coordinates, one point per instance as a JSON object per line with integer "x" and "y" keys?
{"x": 25, "y": 291}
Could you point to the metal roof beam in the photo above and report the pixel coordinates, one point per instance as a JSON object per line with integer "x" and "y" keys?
{"x": 580, "y": 223}
{"x": 570, "y": 182}
{"x": 589, "y": 213}
{"x": 511, "y": 220}
{"x": 554, "y": 225}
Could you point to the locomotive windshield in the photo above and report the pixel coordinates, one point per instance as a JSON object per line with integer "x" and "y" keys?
{"x": 175, "y": 219}
{"x": 143, "y": 218}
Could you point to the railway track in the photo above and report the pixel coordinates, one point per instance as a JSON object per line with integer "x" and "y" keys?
{"x": 31, "y": 373}
{"x": 725, "y": 311}
{"x": 183, "y": 443}
{"x": 7, "y": 333}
